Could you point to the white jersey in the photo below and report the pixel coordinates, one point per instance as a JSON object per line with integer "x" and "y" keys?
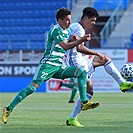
{"x": 74, "y": 58}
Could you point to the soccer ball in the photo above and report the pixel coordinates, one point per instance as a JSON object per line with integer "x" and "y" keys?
{"x": 127, "y": 71}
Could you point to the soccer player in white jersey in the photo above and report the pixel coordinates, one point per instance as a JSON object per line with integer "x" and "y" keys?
{"x": 89, "y": 63}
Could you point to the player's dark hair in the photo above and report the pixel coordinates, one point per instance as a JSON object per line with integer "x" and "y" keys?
{"x": 62, "y": 13}
{"x": 89, "y": 12}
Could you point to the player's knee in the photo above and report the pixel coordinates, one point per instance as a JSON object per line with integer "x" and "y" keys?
{"x": 107, "y": 58}
{"x": 81, "y": 73}
{"x": 35, "y": 85}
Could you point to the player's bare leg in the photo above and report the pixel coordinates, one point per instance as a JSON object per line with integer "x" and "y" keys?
{"x": 113, "y": 71}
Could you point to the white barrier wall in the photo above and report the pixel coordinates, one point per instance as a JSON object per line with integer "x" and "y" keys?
{"x": 103, "y": 81}
{"x": 15, "y": 65}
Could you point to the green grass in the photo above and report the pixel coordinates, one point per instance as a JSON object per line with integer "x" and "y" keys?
{"x": 47, "y": 113}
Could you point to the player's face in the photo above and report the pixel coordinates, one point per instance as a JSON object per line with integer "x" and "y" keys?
{"x": 65, "y": 23}
{"x": 90, "y": 22}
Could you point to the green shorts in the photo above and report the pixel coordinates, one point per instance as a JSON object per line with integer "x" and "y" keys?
{"x": 47, "y": 71}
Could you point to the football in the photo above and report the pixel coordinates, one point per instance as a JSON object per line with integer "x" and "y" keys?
{"x": 127, "y": 71}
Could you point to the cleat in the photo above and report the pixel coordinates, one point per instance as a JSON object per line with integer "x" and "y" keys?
{"x": 89, "y": 105}
{"x": 58, "y": 86}
{"x": 125, "y": 86}
{"x": 73, "y": 122}
{"x": 72, "y": 102}
{"x": 5, "y": 115}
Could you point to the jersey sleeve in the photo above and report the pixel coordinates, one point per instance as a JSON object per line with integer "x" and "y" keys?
{"x": 79, "y": 32}
{"x": 77, "y": 29}
{"x": 58, "y": 36}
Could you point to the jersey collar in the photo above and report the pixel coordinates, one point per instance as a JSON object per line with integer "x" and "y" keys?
{"x": 81, "y": 25}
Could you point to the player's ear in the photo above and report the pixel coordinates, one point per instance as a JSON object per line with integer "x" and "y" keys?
{"x": 59, "y": 20}
{"x": 86, "y": 18}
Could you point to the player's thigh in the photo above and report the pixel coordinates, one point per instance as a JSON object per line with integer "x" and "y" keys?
{"x": 89, "y": 63}
{"x": 43, "y": 73}
{"x": 98, "y": 62}
{"x": 66, "y": 72}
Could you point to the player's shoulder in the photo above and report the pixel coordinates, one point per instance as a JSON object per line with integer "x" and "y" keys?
{"x": 76, "y": 28}
{"x": 55, "y": 29}
{"x": 75, "y": 25}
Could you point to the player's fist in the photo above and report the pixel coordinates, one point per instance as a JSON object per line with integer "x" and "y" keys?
{"x": 88, "y": 37}
{"x": 74, "y": 38}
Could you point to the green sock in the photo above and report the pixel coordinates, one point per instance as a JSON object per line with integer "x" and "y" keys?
{"x": 73, "y": 93}
{"x": 21, "y": 95}
{"x": 81, "y": 75}
{"x": 67, "y": 85}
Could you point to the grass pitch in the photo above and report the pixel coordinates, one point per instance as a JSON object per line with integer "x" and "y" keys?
{"x": 47, "y": 113}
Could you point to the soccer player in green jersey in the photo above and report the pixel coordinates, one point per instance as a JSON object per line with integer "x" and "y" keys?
{"x": 50, "y": 66}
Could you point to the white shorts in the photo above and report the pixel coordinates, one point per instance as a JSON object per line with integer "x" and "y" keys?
{"x": 89, "y": 60}
{"x": 87, "y": 64}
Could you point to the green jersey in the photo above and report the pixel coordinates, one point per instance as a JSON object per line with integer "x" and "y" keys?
{"x": 54, "y": 52}
{"x": 50, "y": 65}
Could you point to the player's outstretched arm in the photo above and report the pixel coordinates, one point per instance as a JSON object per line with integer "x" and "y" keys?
{"x": 68, "y": 45}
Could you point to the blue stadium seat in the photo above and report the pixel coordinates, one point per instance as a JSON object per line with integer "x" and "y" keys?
{"x": 37, "y": 44}
{"x": 26, "y": 20}
{"x": 4, "y": 45}
{"x": 105, "y": 5}
{"x": 18, "y": 44}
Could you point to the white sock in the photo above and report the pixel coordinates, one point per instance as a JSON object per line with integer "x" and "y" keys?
{"x": 113, "y": 71}
{"x": 77, "y": 107}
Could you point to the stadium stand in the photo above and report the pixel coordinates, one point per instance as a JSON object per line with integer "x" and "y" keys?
{"x": 109, "y": 4}
{"x": 104, "y": 5}
{"x": 23, "y": 24}
{"x": 117, "y": 30}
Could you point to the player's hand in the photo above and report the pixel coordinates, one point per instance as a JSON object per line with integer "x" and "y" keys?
{"x": 87, "y": 37}
{"x": 74, "y": 38}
